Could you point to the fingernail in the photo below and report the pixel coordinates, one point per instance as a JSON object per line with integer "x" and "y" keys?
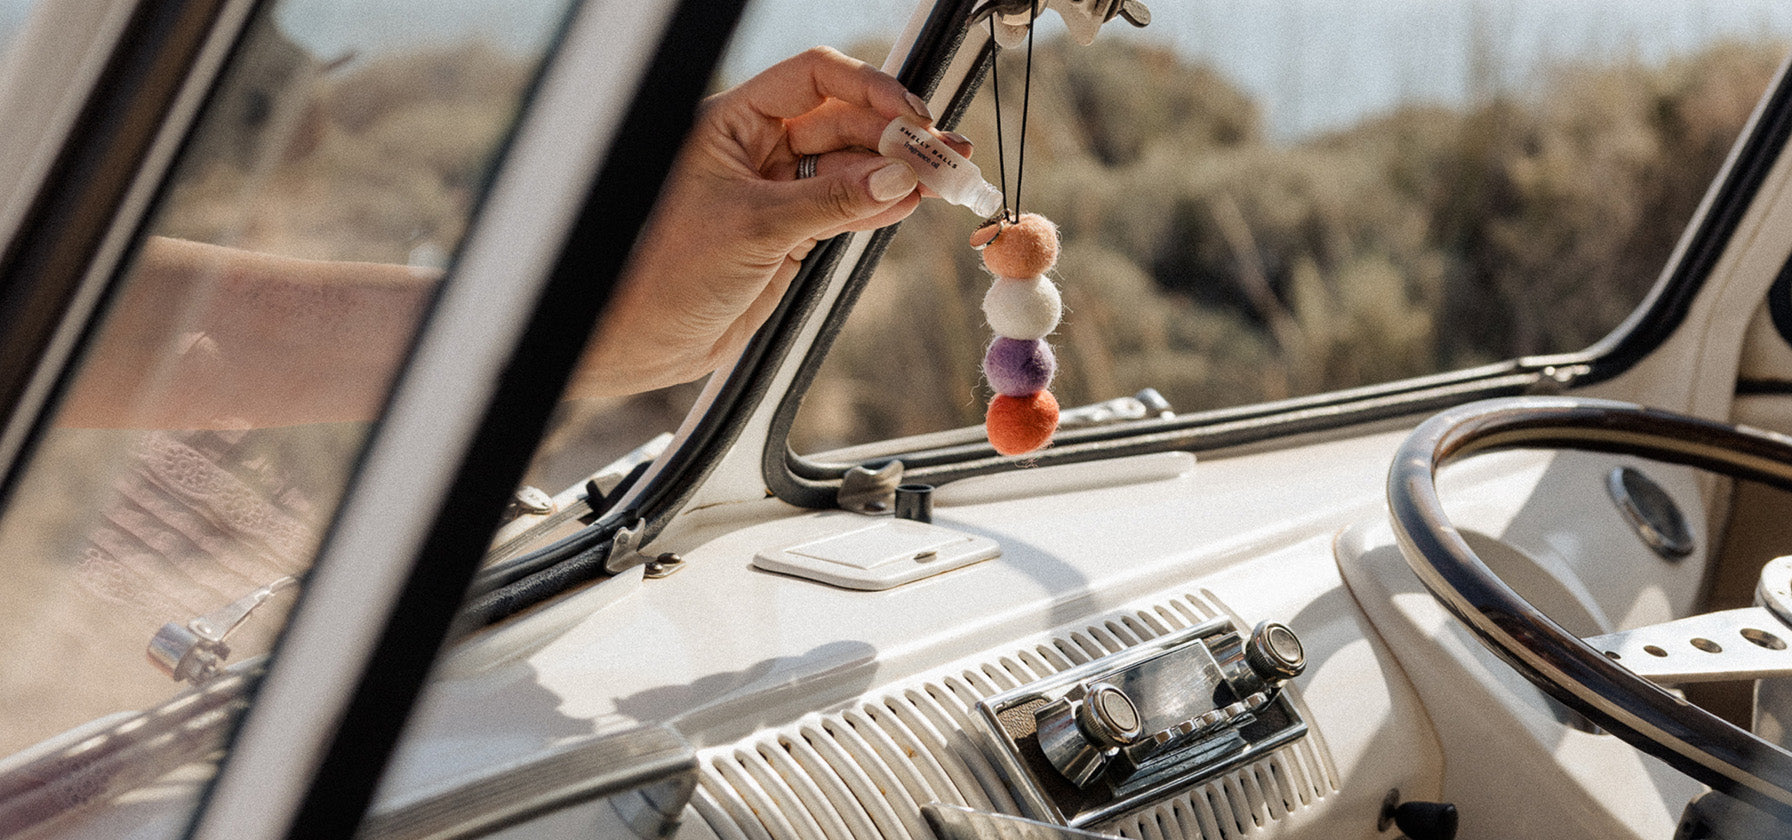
{"x": 955, "y": 137}
{"x": 892, "y": 181}
{"x": 920, "y": 106}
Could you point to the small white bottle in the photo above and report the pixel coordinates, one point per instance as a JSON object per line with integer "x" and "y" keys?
{"x": 945, "y": 171}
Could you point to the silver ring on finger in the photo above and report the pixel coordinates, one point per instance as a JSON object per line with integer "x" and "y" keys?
{"x": 805, "y": 166}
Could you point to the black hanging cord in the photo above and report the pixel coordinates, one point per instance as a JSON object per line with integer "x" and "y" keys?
{"x": 1026, "y": 97}
{"x": 995, "y": 89}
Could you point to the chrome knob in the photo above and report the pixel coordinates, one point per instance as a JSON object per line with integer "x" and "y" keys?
{"x": 1109, "y": 717}
{"x": 1274, "y": 652}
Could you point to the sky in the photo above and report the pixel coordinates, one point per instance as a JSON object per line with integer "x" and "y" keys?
{"x": 1320, "y": 64}
{"x": 1325, "y": 64}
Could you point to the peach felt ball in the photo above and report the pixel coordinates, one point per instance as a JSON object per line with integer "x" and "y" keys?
{"x": 1018, "y": 425}
{"x": 1027, "y": 248}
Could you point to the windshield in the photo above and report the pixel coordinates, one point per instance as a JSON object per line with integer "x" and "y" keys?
{"x": 1262, "y": 201}
{"x": 218, "y": 410}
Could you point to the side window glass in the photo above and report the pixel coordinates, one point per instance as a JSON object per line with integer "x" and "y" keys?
{"x": 1269, "y": 200}
{"x": 12, "y": 19}
{"x": 216, "y": 414}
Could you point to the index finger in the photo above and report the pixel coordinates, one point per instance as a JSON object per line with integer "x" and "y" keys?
{"x": 801, "y": 83}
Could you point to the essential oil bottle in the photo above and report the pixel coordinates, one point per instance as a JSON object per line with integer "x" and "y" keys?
{"x": 943, "y": 170}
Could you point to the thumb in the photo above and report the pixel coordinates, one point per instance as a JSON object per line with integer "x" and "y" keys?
{"x": 842, "y": 200}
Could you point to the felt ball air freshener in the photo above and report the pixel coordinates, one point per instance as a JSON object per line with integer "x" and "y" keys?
{"x": 1027, "y": 248}
{"x": 1017, "y": 367}
{"x": 1023, "y": 307}
{"x": 1018, "y": 425}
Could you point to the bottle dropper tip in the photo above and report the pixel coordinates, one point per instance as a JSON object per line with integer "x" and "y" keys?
{"x": 987, "y": 202}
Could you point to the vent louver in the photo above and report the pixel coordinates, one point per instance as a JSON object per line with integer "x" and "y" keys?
{"x": 863, "y": 773}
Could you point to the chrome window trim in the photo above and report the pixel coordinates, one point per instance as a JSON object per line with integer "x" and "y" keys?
{"x": 651, "y": 771}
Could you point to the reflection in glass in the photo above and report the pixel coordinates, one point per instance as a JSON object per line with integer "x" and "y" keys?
{"x": 212, "y": 424}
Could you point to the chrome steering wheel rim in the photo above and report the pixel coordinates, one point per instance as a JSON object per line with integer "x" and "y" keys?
{"x": 1712, "y": 750}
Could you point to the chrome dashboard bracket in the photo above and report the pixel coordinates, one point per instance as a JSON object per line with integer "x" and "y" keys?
{"x": 864, "y": 490}
{"x": 625, "y": 547}
{"x": 1108, "y": 737}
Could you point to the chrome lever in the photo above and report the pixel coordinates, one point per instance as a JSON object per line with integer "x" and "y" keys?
{"x": 1146, "y": 404}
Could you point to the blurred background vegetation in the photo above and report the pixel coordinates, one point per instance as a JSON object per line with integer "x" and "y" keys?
{"x": 1221, "y": 266}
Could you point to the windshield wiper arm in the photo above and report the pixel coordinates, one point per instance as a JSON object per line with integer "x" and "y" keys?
{"x": 195, "y": 651}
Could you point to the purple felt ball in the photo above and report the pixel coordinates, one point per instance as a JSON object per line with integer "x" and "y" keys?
{"x": 1019, "y": 367}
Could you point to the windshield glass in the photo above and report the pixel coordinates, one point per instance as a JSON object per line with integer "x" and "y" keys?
{"x": 221, "y": 404}
{"x": 1260, "y": 201}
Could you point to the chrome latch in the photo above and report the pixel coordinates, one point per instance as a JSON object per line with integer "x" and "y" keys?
{"x": 1140, "y": 724}
{"x": 1147, "y": 404}
{"x": 864, "y": 490}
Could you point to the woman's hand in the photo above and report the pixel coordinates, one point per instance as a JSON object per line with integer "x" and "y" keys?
{"x": 734, "y": 223}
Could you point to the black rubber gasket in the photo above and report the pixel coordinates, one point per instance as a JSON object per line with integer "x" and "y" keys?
{"x": 753, "y": 376}
{"x": 1779, "y": 303}
{"x": 1761, "y": 148}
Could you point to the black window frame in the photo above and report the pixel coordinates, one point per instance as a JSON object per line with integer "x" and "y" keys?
{"x": 57, "y": 256}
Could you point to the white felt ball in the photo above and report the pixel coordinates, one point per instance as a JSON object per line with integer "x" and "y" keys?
{"x": 1026, "y": 309}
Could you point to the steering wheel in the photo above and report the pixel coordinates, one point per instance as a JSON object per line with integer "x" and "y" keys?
{"x": 1726, "y": 757}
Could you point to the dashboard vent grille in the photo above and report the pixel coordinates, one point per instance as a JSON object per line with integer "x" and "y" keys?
{"x": 1239, "y": 802}
{"x": 864, "y": 773}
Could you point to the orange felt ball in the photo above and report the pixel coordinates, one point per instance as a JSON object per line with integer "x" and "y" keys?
{"x": 1021, "y": 424}
{"x": 1027, "y": 248}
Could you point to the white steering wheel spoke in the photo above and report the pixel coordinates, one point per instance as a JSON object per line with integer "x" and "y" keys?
{"x": 1745, "y": 644}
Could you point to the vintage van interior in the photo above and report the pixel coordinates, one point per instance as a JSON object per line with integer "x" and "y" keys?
{"x": 1307, "y": 614}
{"x": 821, "y": 704}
